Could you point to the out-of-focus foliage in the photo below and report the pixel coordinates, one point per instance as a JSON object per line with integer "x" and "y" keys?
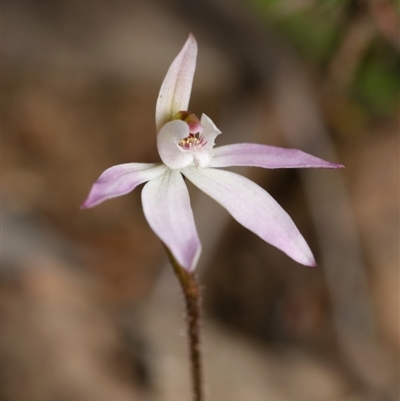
{"x": 377, "y": 83}
{"x": 311, "y": 27}
{"x": 323, "y": 31}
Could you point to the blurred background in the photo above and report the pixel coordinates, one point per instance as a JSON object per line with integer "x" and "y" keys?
{"x": 91, "y": 309}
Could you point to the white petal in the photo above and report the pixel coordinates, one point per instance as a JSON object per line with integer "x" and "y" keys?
{"x": 168, "y": 144}
{"x": 121, "y": 179}
{"x": 254, "y": 208}
{"x": 201, "y": 157}
{"x": 256, "y": 155}
{"x": 210, "y": 131}
{"x": 177, "y": 85}
{"x": 166, "y": 205}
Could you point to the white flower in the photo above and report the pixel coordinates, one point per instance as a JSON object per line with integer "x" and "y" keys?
{"x": 186, "y": 147}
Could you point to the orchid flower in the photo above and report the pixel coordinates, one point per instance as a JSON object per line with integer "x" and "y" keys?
{"x": 186, "y": 148}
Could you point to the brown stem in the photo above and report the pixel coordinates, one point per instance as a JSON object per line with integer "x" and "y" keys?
{"x": 191, "y": 293}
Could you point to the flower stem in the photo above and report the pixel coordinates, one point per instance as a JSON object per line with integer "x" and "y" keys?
{"x": 191, "y": 293}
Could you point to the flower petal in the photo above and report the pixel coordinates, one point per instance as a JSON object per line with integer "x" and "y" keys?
{"x": 121, "y": 179}
{"x": 166, "y": 205}
{"x": 210, "y": 131}
{"x": 168, "y": 144}
{"x": 203, "y": 154}
{"x": 254, "y": 208}
{"x": 177, "y": 85}
{"x": 256, "y": 155}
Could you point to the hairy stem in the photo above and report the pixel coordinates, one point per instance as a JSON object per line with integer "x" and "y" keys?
{"x": 191, "y": 293}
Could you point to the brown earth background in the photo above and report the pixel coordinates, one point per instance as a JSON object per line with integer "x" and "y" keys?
{"x": 90, "y": 308}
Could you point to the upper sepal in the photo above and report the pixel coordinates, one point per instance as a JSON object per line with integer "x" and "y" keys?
{"x": 177, "y": 85}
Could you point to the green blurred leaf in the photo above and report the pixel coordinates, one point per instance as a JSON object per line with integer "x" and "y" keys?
{"x": 311, "y": 27}
{"x": 378, "y": 85}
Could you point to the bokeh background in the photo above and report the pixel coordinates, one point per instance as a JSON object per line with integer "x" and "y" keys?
{"x": 91, "y": 310}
